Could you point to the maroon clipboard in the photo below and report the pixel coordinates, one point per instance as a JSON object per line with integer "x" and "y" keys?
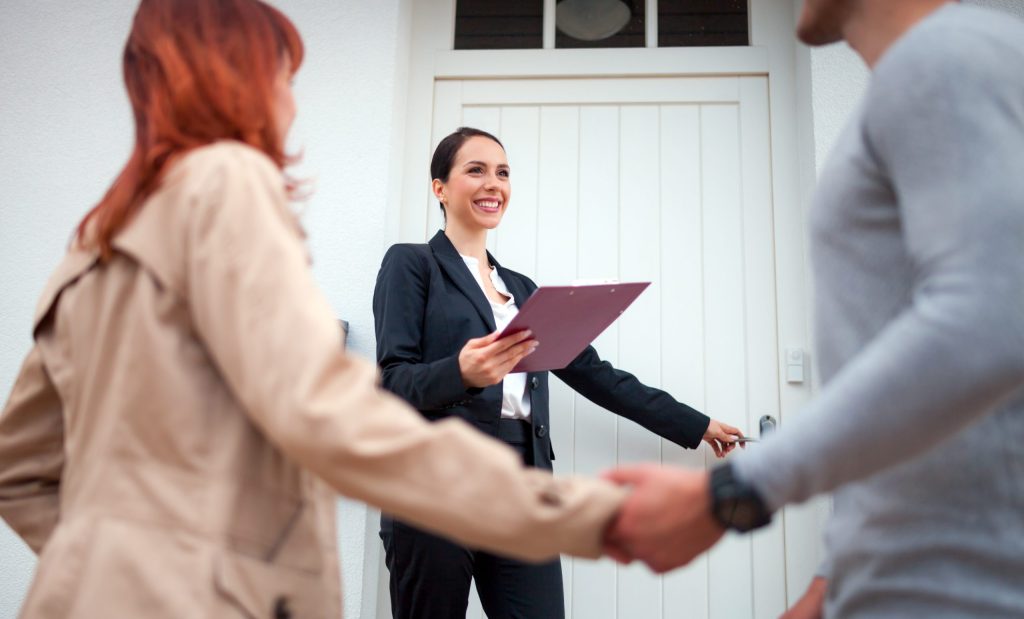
{"x": 565, "y": 319}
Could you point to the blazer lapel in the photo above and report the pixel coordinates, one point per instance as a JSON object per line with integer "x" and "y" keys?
{"x": 452, "y": 264}
{"x": 517, "y": 285}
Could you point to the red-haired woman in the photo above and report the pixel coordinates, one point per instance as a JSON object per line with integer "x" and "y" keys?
{"x": 165, "y": 446}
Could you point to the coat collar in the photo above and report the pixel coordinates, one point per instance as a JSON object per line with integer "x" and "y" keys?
{"x": 75, "y": 263}
{"x": 450, "y": 260}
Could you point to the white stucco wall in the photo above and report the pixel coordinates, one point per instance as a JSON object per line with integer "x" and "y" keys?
{"x": 839, "y": 76}
{"x": 65, "y": 130}
{"x": 1014, "y": 7}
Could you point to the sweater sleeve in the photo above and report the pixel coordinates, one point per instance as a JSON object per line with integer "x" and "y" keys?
{"x": 950, "y": 150}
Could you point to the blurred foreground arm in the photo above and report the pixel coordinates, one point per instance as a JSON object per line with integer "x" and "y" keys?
{"x": 275, "y": 338}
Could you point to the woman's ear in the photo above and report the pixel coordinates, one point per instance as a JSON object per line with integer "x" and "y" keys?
{"x": 439, "y": 190}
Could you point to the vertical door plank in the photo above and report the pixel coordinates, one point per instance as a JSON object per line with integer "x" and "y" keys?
{"x": 558, "y": 194}
{"x": 557, "y": 197}
{"x": 516, "y": 238}
{"x": 599, "y": 190}
{"x": 556, "y": 250}
{"x": 639, "y": 593}
{"x": 685, "y": 591}
{"x": 762, "y": 339}
{"x": 594, "y": 591}
{"x": 724, "y": 303}
{"x": 485, "y": 117}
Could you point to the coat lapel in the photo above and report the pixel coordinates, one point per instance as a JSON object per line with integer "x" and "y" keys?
{"x": 452, "y": 264}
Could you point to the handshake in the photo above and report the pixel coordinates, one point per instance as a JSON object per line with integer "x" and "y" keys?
{"x": 668, "y": 520}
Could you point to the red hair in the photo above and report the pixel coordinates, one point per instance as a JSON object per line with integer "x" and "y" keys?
{"x": 196, "y": 71}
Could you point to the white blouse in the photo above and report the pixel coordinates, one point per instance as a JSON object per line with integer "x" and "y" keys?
{"x": 515, "y": 400}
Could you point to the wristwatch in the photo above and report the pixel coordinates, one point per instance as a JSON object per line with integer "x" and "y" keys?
{"x": 735, "y": 504}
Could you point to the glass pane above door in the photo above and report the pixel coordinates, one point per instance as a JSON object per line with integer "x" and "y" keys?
{"x": 600, "y": 23}
{"x": 499, "y": 24}
{"x": 686, "y": 23}
{"x": 519, "y": 24}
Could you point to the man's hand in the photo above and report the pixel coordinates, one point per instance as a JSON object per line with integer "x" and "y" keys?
{"x": 666, "y": 520}
{"x": 722, "y": 437}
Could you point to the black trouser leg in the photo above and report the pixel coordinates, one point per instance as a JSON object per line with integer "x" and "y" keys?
{"x": 511, "y": 589}
{"x": 429, "y": 575}
{"x": 429, "y": 578}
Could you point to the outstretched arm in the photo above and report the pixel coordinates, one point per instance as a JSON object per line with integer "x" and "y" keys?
{"x": 623, "y": 394}
{"x": 951, "y": 150}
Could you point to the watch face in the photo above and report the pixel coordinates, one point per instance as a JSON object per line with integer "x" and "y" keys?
{"x": 743, "y": 515}
{"x": 736, "y": 505}
{"x": 725, "y": 511}
{"x": 737, "y": 513}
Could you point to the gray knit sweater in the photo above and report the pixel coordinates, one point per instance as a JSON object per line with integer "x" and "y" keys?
{"x": 918, "y": 257}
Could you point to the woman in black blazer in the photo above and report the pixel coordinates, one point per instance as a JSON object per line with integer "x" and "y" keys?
{"x": 436, "y": 322}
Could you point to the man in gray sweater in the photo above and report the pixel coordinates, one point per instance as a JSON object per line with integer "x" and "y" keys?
{"x": 918, "y": 256}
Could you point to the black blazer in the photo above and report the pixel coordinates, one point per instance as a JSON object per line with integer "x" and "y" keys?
{"x": 426, "y": 305}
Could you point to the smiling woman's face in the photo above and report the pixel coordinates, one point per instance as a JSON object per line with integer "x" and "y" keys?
{"x": 478, "y": 188}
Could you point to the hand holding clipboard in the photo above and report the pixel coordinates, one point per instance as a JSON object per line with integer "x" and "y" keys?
{"x": 565, "y": 319}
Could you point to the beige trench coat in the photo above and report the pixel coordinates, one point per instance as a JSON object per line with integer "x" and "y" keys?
{"x": 166, "y": 444}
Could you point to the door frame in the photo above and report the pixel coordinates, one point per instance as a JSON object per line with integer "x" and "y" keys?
{"x": 773, "y": 53}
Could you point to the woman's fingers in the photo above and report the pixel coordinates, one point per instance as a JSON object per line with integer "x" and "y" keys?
{"x": 486, "y": 360}
{"x": 731, "y": 430}
{"x": 724, "y": 432}
{"x": 498, "y": 346}
{"x": 495, "y": 360}
{"x": 515, "y": 354}
{"x": 515, "y": 346}
{"x": 481, "y": 342}
{"x": 714, "y": 445}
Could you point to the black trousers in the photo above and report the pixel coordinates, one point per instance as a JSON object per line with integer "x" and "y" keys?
{"x": 430, "y": 576}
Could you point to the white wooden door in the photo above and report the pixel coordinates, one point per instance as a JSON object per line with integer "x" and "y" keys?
{"x": 666, "y": 180}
